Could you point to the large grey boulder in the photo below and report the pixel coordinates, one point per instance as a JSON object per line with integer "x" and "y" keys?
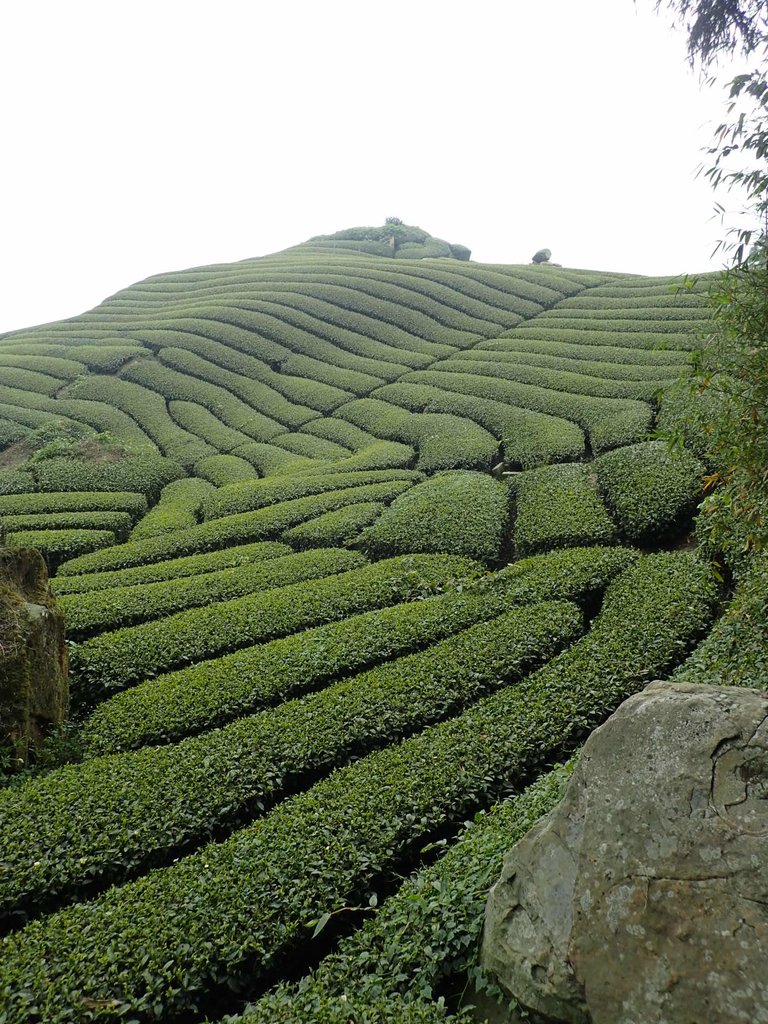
{"x": 643, "y": 898}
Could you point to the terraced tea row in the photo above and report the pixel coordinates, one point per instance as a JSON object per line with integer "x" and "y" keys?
{"x": 239, "y": 444}
{"x": 162, "y": 945}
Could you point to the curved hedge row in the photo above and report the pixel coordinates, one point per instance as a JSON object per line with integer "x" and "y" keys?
{"x": 631, "y": 339}
{"x": 558, "y": 506}
{"x": 73, "y": 501}
{"x": 269, "y": 460}
{"x": 270, "y": 417}
{"x": 58, "y": 545}
{"x": 177, "y": 509}
{"x": 609, "y": 422}
{"x": 443, "y": 441}
{"x": 528, "y": 438}
{"x": 261, "y": 524}
{"x": 312, "y": 447}
{"x": 224, "y": 469}
{"x": 250, "y": 379}
{"x": 196, "y": 698}
{"x": 343, "y": 433}
{"x": 333, "y": 528}
{"x": 650, "y": 359}
{"x": 428, "y": 932}
{"x": 460, "y": 512}
{"x": 254, "y": 494}
{"x": 118, "y": 523}
{"x": 650, "y": 489}
{"x": 583, "y": 365}
{"x": 156, "y": 946}
{"x": 353, "y": 382}
{"x": 189, "y": 565}
{"x": 121, "y": 658}
{"x": 578, "y": 383}
{"x": 149, "y": 410}
{"x": 198, "y": 420}
{"x": 377, "y": 456}
{"x": 124, "y": 606}
{"x": 144, "y": 473}
{"x": 64, "y": 833}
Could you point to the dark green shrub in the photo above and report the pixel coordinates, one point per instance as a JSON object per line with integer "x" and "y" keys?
{"x": 216, "y": 691}
{"x": 233, "y": 910}
{"x": 124, "y": 606}
{"x": 558, "y": 506}
{"x": 190, "y": 565}
{"x": 65, "y": 823}
{"x": 458, "y": 512}
{"x": 333, "y": 528}
{"x": 118, "y": 659}
{"x": 261, "y": 524}
{"x": 651, "y": 489}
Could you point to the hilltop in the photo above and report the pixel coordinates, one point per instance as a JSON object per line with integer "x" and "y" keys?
{"x": 351, "y": 541}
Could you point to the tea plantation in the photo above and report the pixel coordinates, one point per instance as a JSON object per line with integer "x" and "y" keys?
{"x": 354, "y": 543}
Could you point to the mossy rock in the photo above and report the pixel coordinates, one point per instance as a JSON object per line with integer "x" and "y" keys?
{"x": 34, "y": 692}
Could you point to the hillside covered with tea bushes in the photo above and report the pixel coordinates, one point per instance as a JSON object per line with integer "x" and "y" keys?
{"x": 353, "y": 543}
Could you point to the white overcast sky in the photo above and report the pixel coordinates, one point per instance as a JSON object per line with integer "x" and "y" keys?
{"x": 152, "y": 135}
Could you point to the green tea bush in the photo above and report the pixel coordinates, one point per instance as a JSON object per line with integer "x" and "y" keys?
{"x": 429, "y": 931}
{"x": 312, "y": 447}
{"x": 56, "y": 546}
{"x": 460, "y": 512}
{"x": 656, "y": 376}
{"x": 579, "y": 383}
{"x": 650, "y": 489}
{"x": 199, "y": 421}
{"x": 735, "y": 653}
{"x": 271, "y": 415}
{"x": 338, "y": 430}
{"x": 528, "y": 438}
{"x": 121, "y": 658}
{"x": 333, "y": 528}
{"x": 558, "y": 506}
{"x": 254, "y": 494}
{"x": 103, "y": 417}
{"x": 335, "y": 345}
{"x": 101, "y": 358}
{"x": 280, "y": 395}
{"x": 653, "y": 360}
{"x": 443, "y": 441}
{"x": 151, "y": 413}
{"x": 682, "y": 342}
{"x": 146, "y": 474}
{"x": 269, "y": 460}
{"x": 182, "y": 794}
{"x": 609, "y": 422}
{"x": 233, "y": 910}
{"x": 174, "y": 568}
{"x": 224, "y": 469}
{"x": 100, "y": 610}
{"x": 30, "y": 380}
{"x": 177, "y": 509}
{"x": 380, "y": 455}
{"x": 351, "y": 381}
{"x": 73, "y": 501}
{"x": 118, "y": 523}
{"x": 54, "y": 366}
{"x": 15, "y": 481}
{"x": 261, "y": 524}
{"x": 196, "y": 698}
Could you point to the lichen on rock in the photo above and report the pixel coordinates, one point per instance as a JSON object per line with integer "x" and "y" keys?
{"x": 643, "y": 897}
{"x": 34, "y": 693}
